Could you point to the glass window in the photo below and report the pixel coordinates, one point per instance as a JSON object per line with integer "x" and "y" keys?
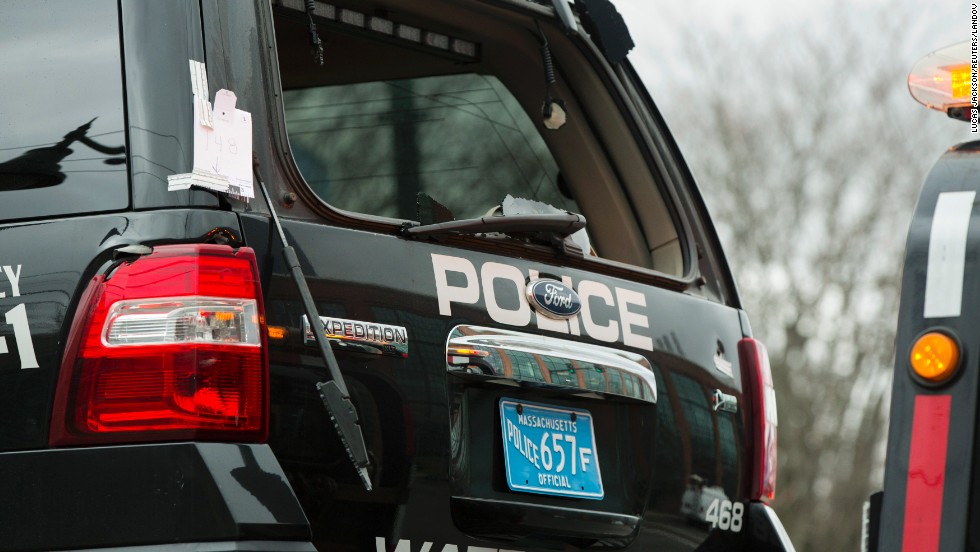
{"x": 62, "y": 139}
{"x": 462, "y": 139}
{"x": 431, "y": 118}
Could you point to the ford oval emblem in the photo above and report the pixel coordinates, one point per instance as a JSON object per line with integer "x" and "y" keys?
{"x": 553, "y": 299}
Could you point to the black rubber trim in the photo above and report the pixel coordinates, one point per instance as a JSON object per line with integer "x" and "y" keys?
{"x": 227, "y": 546}
{"x": 505, "y": 519}
{"x": 104, "y": 497}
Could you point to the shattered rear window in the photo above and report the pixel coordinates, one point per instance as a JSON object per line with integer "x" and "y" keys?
{"x": 462, "y": 139}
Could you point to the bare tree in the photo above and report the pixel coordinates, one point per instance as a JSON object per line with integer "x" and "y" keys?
{"x": 811, "y": 173}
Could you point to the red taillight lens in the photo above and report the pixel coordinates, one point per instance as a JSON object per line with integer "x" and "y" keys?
{"x": 761, "y": 396}
{"x": 171, "y": 346}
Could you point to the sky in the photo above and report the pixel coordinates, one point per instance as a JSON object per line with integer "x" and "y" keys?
{"x": 931, "y": 25}
{"x": 656, "y": 29}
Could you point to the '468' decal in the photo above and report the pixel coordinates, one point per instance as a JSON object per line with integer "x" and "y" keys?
{"x": 725, "y": 515}
{"x": 17, "y": 317}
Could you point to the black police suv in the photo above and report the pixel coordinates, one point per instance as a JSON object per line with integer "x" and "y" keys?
{"x": 378, "y": 275}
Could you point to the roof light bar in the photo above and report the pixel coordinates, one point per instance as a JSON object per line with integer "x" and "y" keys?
{"x": 327, "y": 11}
{"x": 382, "y": 26}
{"x": 436, "y": 40}
{"x": 408, "y": 32}
{"x": 352, "y": 17}
{"x": 463, "y": 48}
{"x": 388, "y": 28}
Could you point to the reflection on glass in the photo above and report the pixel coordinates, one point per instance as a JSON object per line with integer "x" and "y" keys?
{"x": 731, "y": 469}
{"x": 41, "y": 167}
{"x": 700, "y": 422}
{"x": 62, "y": 134}
{"x": 696, "y": 503}
{"x": 592, "y": 375}
{"x": 462, "y": 139}
{"x": 532, "y": 358}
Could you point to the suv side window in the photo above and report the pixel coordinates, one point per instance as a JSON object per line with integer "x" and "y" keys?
{"x": 62, "y": 139}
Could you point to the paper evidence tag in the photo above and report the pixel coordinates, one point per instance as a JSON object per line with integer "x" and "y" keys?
{"x": 199, "y": 86}
{"x": 222, "y": 142}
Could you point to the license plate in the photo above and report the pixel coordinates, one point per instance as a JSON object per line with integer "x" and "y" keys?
{"x": 550, "y": 450}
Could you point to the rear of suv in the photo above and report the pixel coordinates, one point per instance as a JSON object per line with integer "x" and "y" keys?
{"x": 464, "y": 295}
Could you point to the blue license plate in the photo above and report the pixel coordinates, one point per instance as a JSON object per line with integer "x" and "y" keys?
{"x": 550, "y": 450}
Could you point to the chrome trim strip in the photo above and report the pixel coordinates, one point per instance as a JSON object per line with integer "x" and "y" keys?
{"x": 633, "y": 371}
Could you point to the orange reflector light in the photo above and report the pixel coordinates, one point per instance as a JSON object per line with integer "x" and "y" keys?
{"x": 941, "y": 80}
{"x": 935, "y": 357}
{"x": 469, "y": 352}
{"x": 278, "y": 332}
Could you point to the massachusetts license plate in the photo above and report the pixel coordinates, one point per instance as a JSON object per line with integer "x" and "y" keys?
{"x": 550, "y": 450}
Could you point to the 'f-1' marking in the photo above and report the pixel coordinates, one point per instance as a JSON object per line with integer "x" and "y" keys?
{"x": 17, "y": 317}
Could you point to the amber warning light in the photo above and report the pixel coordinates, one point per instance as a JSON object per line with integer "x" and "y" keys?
{"x": 935, "y": 357}
{"x": 946, "y": 80}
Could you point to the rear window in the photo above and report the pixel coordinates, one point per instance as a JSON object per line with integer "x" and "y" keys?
{"x": 62, "y": 140}
{"x": 418, "y": 115}
{"x": 463, "y": 139}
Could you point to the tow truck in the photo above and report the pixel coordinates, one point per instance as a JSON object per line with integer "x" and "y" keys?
{"x": 380, "y": 275}
{"x": 931, "y": 492}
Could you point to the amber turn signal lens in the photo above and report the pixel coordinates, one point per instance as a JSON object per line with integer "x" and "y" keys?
{"x": 942, "y": 79}
{"x": 935, "y": 357}
{"x": 278, "y": 333}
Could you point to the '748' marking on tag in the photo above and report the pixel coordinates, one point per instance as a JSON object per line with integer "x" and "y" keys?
{"x": 17, "y": 317}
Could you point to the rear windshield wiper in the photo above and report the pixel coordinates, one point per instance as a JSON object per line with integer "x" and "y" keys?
{"x": 559, "y": 225}
{"x": 333, "y": 392}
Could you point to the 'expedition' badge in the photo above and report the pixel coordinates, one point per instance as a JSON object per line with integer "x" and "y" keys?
{"x": 553, "y": 299}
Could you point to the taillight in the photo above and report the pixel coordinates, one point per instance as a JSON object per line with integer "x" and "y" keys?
{"x": 170, "y": 346}
{"x": 761, "y": 396}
